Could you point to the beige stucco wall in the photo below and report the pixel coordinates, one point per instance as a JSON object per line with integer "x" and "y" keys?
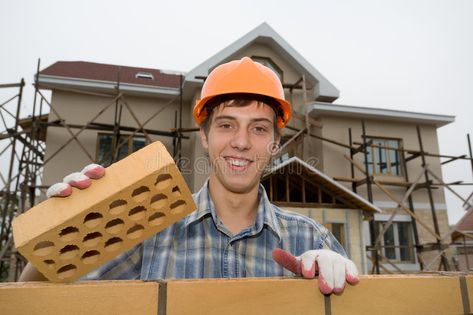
{"x": 78, "y": 108}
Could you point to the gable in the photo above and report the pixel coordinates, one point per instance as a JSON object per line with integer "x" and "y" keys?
{"x": 265, "y": 36}
{"x": 290, "y": 74}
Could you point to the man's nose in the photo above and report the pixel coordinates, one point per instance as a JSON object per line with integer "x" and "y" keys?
{"x": 241, "y": 139}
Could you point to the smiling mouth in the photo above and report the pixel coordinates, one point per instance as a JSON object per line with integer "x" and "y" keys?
{"x": 237, "y": 163}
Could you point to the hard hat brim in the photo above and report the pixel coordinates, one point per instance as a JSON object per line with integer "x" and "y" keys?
{"x": 283, "y": 116}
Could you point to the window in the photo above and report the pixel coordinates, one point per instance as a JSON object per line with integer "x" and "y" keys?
{"x": 382, "y": 159}
{"x": 126, "y": 145}
{"x": 270, "y": 64}
{"x": 338, "y": 230}
{"x": 144, "y": 75}
{"x": 397, "y": 242}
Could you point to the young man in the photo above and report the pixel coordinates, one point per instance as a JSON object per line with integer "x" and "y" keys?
{"x": 235, "y": 231}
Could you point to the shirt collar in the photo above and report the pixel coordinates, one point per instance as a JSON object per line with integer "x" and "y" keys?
{"x": 205, "y": 206}
{"x": 203, "y": 203}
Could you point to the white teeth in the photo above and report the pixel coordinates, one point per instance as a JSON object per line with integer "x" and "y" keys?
{"x": 238, "y": 162}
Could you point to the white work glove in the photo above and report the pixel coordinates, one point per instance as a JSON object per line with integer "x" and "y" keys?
{"x": 79, "y": 180}
{"x": 332, "y": 268}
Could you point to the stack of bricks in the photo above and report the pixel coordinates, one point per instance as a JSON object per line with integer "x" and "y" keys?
{"x": 65, "y": 238}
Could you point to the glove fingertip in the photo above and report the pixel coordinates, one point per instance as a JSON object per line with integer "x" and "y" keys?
{"x": 78, "y": 180}
{"x": 94, "y": 171}
{"x": 352, "y": 275}
{"x": 338, "y": 291}
{"x": 352, "y": 279}
{"x": 324, "y": 287}
{"x": 59, "y": 190}
{"x": 308, "y": 271}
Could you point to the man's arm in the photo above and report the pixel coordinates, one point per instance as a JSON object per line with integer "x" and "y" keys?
{"x": 30, "y": 273}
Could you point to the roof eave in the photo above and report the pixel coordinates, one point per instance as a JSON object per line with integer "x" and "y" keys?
{"x": 318, "y": 109}
{"x": 52, "y": 82}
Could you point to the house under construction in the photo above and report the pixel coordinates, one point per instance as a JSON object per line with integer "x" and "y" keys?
{"x": 372, "y": 176}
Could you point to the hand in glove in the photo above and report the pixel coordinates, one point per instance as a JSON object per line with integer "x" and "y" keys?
{"x": 332, "y": 268}
{"x": 79, "y": 180}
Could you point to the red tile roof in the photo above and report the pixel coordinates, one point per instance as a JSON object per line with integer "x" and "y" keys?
{"x": 104, "y": 72}
{"x": 466, "y": 222}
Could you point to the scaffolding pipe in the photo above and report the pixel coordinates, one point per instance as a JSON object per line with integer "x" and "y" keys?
{"x": 431, "y": 199}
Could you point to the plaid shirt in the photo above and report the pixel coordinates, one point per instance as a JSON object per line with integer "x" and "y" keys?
{"x": 200, "y": 246}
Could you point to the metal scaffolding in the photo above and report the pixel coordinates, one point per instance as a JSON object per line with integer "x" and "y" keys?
{"x": 426, "y": 180}
{"x": 26, "y": 147}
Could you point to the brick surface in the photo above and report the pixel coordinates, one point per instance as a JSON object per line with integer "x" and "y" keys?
{"x": 65, "y": 238}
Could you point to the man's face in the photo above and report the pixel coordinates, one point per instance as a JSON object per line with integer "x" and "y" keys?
{"x": 240, "y": 142}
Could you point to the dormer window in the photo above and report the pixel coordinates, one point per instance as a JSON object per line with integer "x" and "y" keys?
{"x": 265, "y": 61}
{"x": 144, "y": 75}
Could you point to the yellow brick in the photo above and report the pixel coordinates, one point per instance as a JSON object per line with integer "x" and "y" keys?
{"x": 399, "y": 294}
{"x": 275, "y": 296}
{"x": 98, "y": 298}
{"x": 65, "y": 238}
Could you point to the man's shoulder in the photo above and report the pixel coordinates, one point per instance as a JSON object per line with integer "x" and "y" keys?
{"x": 293, "y": 217}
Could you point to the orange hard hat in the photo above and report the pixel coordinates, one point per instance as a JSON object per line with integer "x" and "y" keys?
{"x": 244, "y": 76}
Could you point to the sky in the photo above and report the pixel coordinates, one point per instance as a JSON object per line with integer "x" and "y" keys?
{"x": 412, "y": 55}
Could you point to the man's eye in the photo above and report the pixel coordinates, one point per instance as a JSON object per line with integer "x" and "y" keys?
{"x": 260, "y": 129}
{"x": 225, "y": 126}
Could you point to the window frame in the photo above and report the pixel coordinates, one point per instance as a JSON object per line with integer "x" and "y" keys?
{"x": 397, "y": 246}
{"x": 144, "y": 75}
{"x": 343, "y": 230}
{"x": 130, "y": 147}
{"x": 375, "y": 151}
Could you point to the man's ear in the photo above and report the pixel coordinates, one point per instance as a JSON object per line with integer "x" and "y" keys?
{"x": 203, "y": 138}
{"x": 276, "y": 145}
{"x": 277, "y": 139}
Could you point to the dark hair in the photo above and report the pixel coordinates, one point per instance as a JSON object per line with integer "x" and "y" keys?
{"x": 240, "y": 99}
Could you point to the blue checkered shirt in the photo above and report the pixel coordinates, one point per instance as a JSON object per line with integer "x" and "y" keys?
{"x": 200, "y": 246}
